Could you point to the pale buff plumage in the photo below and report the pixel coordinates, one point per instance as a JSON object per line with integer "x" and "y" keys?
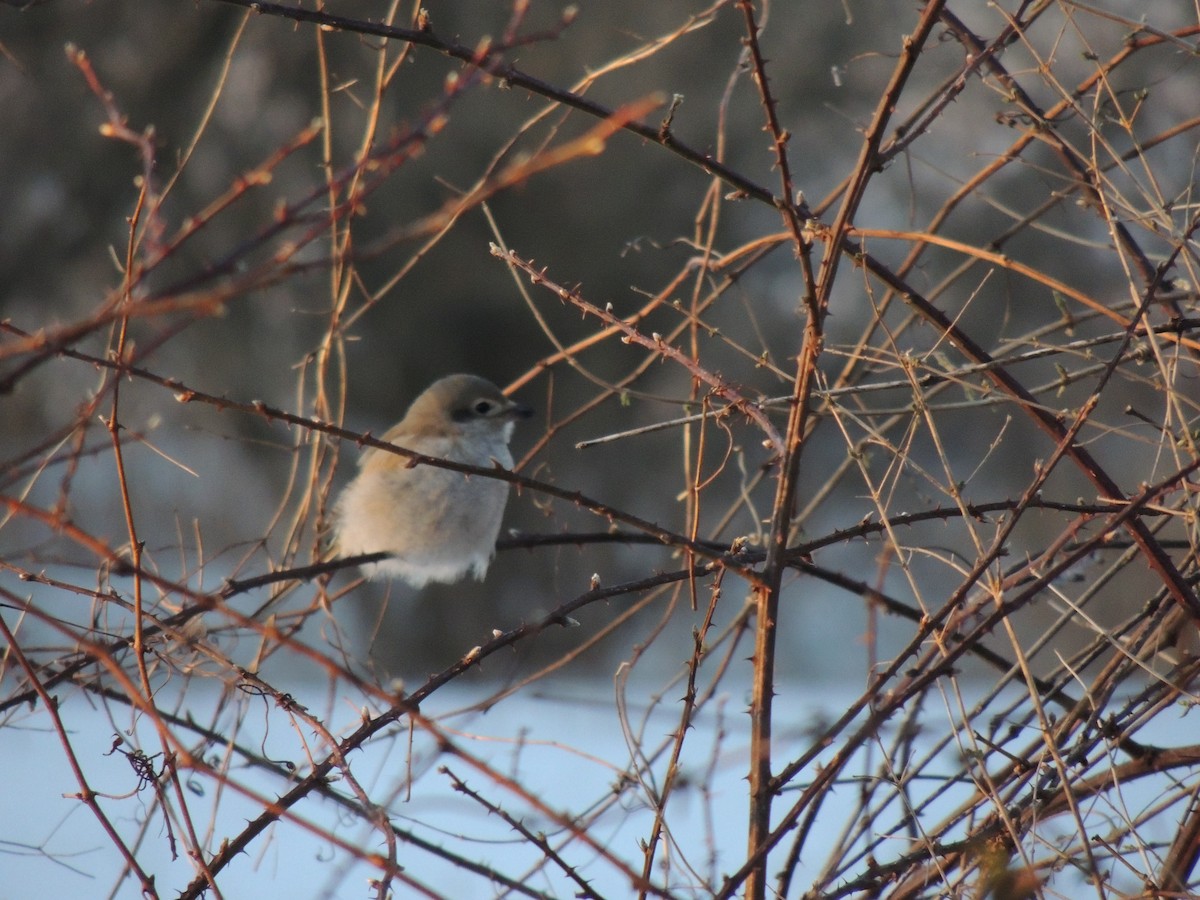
{"x": 438, "y": 524}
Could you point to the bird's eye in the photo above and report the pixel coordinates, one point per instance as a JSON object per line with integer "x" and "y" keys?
{"x": 483, "y": 407}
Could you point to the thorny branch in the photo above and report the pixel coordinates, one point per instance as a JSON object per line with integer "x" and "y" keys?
{"x": 980, "y": 438}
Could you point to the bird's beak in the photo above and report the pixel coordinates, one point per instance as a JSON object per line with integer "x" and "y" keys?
{"x": 519, "y": 411}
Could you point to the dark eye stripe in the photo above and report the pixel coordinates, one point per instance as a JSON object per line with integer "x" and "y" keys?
{"x": 479, "y": 409}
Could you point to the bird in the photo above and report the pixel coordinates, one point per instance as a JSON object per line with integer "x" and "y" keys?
{"x": 437, "y": 524}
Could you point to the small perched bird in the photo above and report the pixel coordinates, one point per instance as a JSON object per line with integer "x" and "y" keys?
{"x": 438, "y": 524}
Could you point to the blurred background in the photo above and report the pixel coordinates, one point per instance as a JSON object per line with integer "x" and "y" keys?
{"x": 221, "y": 91}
